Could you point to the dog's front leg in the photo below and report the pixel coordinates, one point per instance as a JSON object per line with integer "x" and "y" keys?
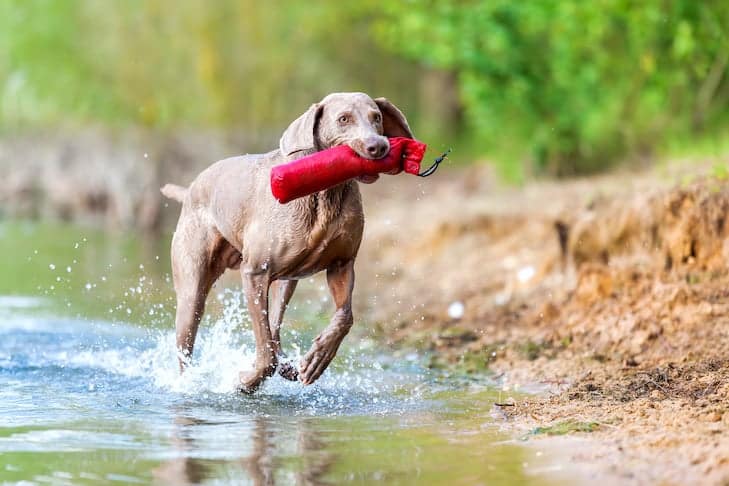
{"x": 341, "y": 283}
{"x": 255, "y": 288}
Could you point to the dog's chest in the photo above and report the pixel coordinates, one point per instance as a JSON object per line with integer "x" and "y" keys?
{"x": 334, "y": 236}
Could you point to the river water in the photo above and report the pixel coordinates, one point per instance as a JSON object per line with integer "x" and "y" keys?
{"x": 90, "y": 393}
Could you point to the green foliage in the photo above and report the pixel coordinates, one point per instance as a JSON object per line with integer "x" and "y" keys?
{"x": 532, "y": 350}
{"x": 557, "y": 87}
{"x": 571, "y": 84}
{"x": 160, "y": 63}
{"x": 720, "y": 172}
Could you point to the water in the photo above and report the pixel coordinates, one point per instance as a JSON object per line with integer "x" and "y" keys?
{"x": 90, "y": 393}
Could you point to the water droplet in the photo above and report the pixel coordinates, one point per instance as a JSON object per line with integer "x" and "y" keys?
{"x": 456, "y": 310}
{"x": 525, "y": 274}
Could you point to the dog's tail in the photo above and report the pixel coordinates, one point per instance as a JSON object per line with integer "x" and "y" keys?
{"x": 173, "y": 191}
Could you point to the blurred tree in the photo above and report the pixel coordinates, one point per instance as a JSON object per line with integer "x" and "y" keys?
{"x": 566, "y": 86}
{"x": 578, "y": 84}
{"x": 162, "y": 63}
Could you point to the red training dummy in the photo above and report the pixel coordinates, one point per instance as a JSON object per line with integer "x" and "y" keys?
{"x": 333, "y": 166}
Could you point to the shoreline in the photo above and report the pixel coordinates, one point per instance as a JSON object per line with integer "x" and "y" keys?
{"x": 625, "y": 321}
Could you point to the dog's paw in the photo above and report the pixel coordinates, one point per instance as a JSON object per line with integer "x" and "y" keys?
{"x": 317, "y": 360}
{"x": 244, "y": 390}
{"x": 288, "y": 371}
{"x": 251, "y": 381}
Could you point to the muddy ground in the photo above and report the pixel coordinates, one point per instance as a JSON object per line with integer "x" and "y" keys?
{"x": 609, "y": 293}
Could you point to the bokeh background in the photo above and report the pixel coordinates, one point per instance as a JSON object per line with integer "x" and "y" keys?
{"x": 101, "y": 102}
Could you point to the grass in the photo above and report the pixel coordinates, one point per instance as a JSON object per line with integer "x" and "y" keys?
{"x": 565, "y": 427}
{"x": 475, "y": 361}
{"x": 712, "y": 144}
{"x": 532, "y": 350}
{"x": 469, "y": 362}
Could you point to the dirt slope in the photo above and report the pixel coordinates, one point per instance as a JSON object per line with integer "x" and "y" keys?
{"x": 612, "y": 292}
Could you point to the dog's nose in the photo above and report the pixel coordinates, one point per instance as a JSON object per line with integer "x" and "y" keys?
{"x": 376, "y": 148}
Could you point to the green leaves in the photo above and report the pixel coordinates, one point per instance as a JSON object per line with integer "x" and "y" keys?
{"x": 238, "y": 64}
{"x": 558, "y": 87}
{"x": 578, "y": 84}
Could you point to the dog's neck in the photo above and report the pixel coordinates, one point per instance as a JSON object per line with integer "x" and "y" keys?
{"x": 320, "y": 208}
{"x": 323, "y": 207}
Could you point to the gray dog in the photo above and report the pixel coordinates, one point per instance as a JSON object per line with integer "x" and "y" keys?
{"x": 230, "y": 219}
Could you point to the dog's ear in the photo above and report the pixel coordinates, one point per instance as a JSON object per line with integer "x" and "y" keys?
{"x": 302, "y": 133}
{"x": 394, "y": 123}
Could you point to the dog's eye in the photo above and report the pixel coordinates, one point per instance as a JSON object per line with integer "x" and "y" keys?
{"x": 377, "y": 118}
{"x": 343, "y": 119}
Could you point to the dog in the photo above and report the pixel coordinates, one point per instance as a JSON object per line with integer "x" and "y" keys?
{"x": 230, "y": 220}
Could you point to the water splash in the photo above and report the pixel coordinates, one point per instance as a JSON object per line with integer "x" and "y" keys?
{"x": 118, "y": 355}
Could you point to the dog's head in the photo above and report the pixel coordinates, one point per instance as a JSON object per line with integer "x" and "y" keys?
{"x": 352, "y": 119}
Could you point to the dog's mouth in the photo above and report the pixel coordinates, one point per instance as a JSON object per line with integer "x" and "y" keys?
{"x": 368, "y": 179}
{"x": 371, "y": 151}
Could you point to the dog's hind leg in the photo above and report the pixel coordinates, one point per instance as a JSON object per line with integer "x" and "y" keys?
{"x": 196, "y": 265}
{"x": 281, "y": 292}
